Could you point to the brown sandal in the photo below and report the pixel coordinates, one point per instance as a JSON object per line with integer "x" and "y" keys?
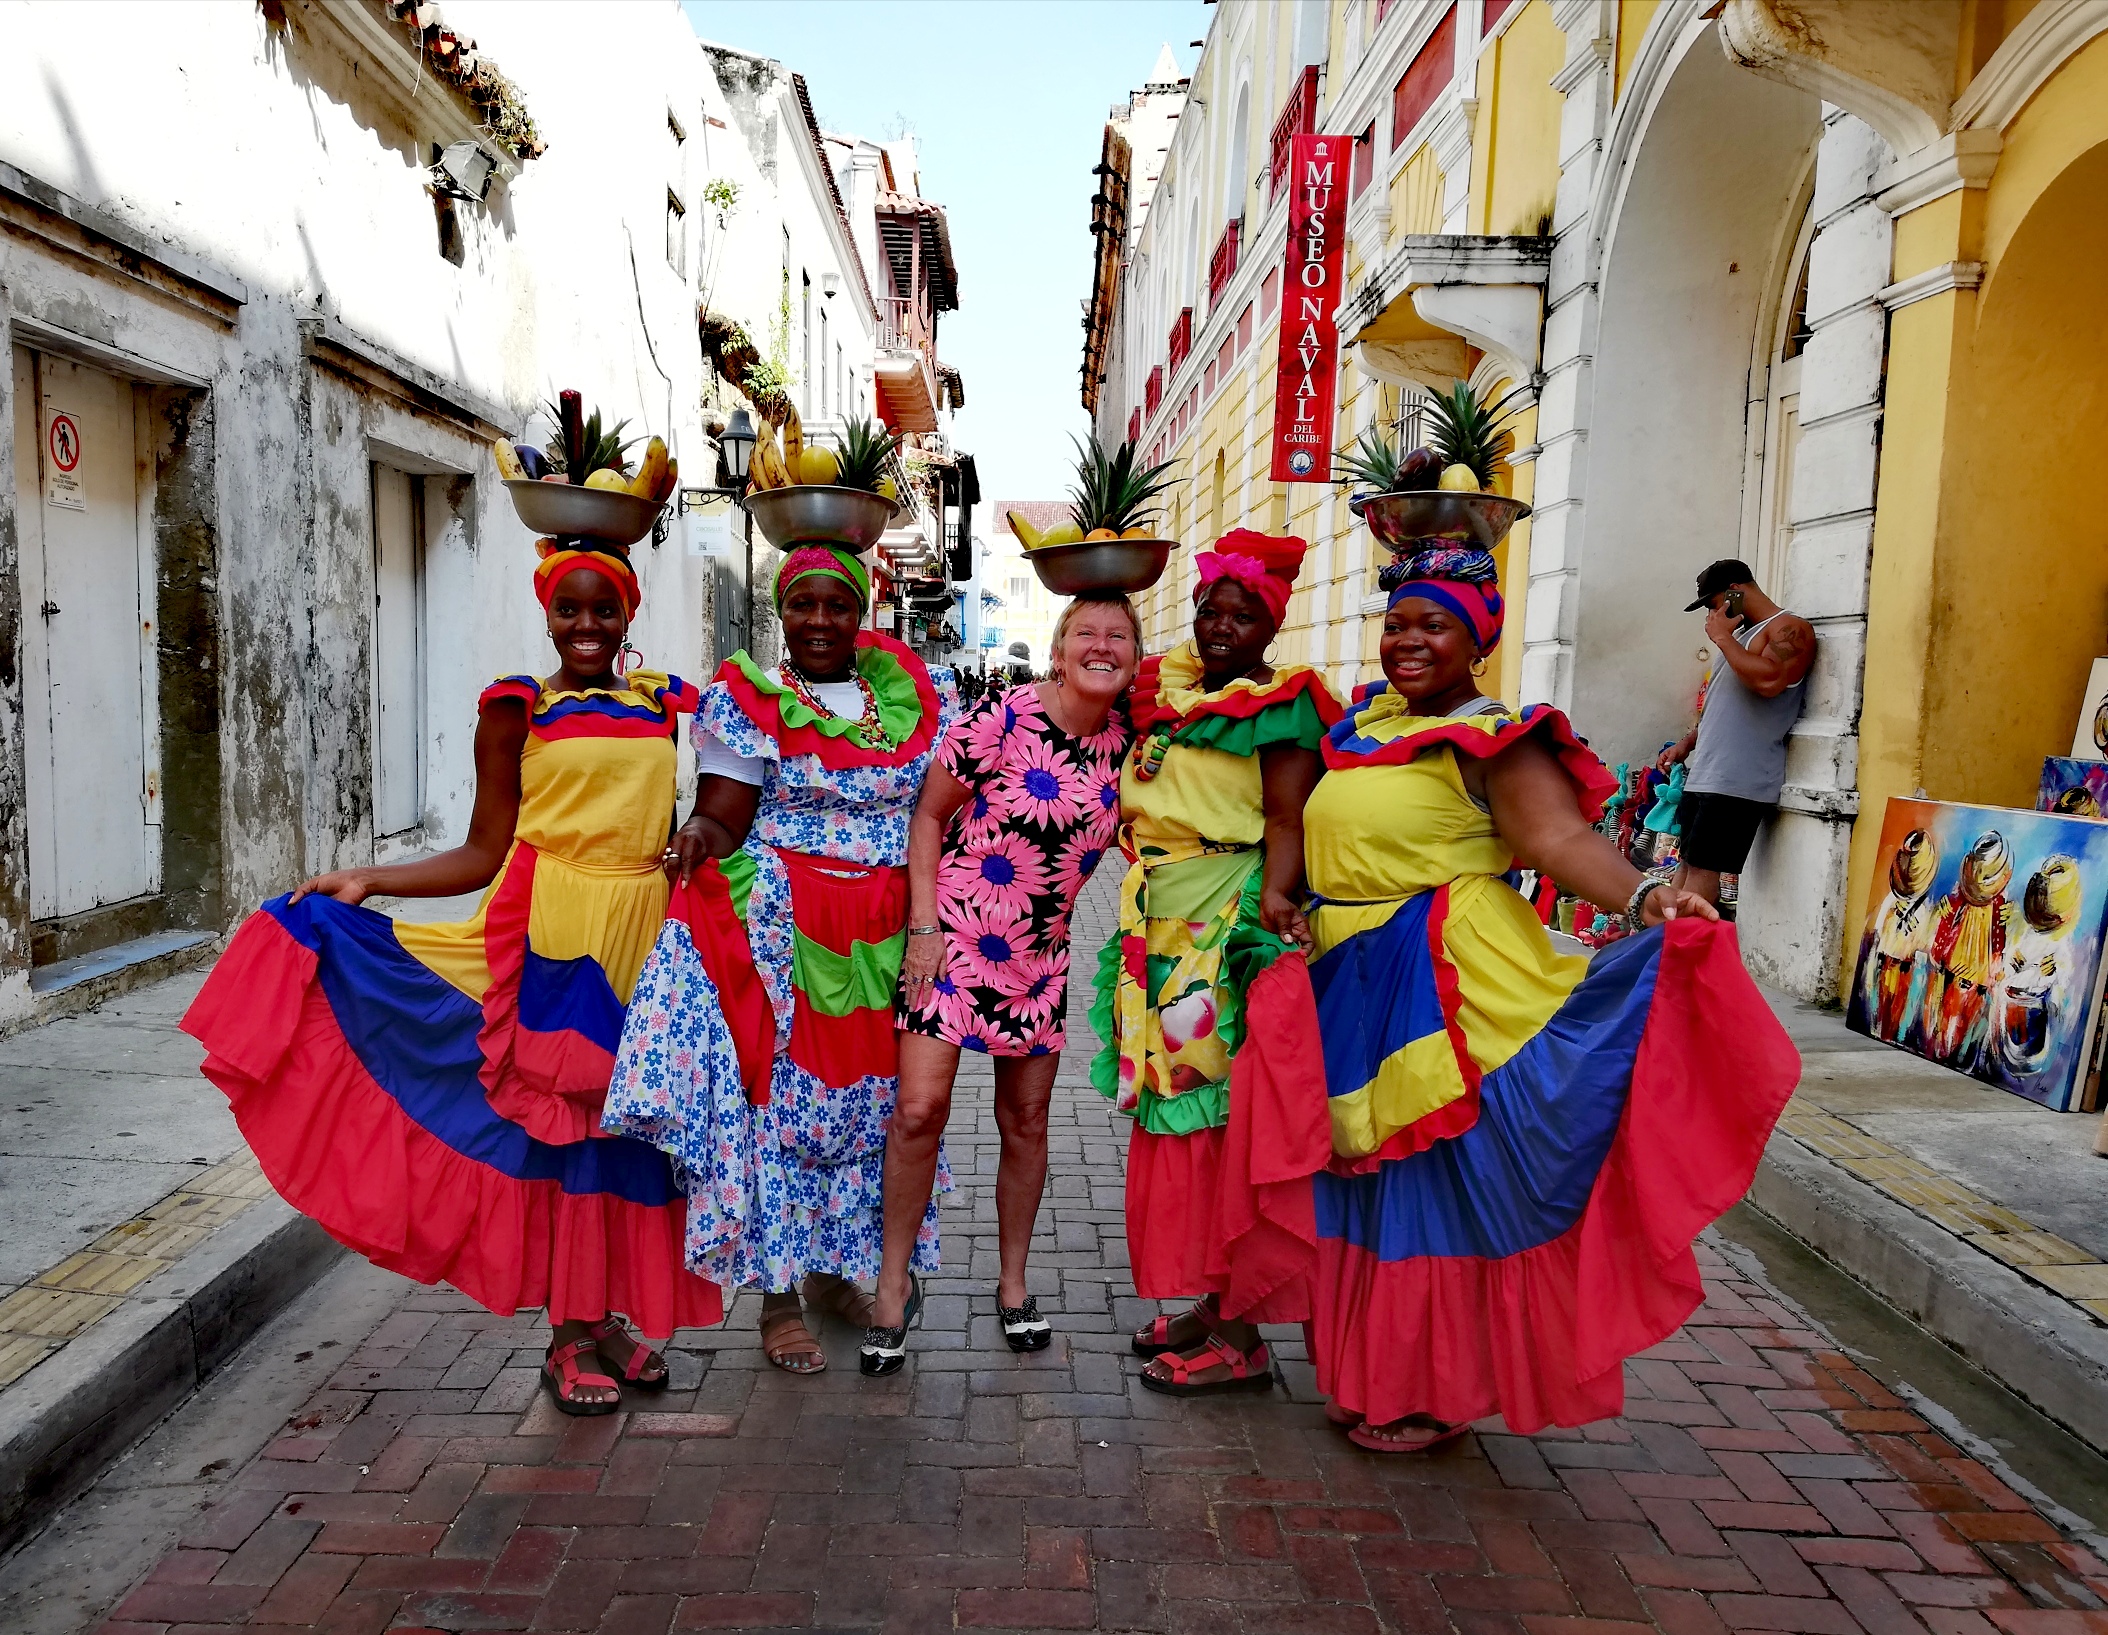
{"x": 825, "y": 1291}
{"x": 784, "y": 1336}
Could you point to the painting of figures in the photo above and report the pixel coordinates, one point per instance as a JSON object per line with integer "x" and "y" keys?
{"x": 2074, "y": 787}
{"x": 1981, "y": 948}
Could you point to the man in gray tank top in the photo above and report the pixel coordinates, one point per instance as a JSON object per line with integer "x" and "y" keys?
{"x": 1736, "y": 755}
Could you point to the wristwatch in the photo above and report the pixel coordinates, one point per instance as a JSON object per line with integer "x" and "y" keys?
{"x": 1637, "y": 903}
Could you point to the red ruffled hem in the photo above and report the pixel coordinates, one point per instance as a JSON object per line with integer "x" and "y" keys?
{"x": 1228, "y": 1212}
{"x": 338, "y": 1148}
{"x": 1541, "y": 1337}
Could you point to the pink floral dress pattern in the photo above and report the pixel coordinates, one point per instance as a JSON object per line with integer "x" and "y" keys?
{"x": 1045, "y": 808}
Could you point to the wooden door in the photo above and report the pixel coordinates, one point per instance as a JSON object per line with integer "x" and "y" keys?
{"x": 398, "y": 651}
{"x": 89, "y": 676}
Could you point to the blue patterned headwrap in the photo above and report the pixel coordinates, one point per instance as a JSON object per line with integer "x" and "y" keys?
{"x": 1461, "y": 578}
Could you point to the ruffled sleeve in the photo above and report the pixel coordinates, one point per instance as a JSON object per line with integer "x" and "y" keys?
{"x": 524, "y": 688}
{"x": 718, "y": 716}
{"x": 1480, "y": 737}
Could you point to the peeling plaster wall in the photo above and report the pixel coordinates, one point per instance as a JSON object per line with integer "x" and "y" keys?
{"x": 270, "y": 158}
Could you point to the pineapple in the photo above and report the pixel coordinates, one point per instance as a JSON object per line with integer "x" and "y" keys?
{"x": 1370, "y": 460}
{"x": 1112, "y": 497}
{"x": 1470, "y": 432}
{"x": 866, "y": 452}
{"x": 581, "y": 447}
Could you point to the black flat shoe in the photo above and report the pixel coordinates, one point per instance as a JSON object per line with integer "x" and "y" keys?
{"x": 1023, "y": 1327}
{"x": 885, "y": 1350}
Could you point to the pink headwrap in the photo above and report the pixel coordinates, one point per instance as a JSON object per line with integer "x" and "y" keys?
{"x": 1265, "y": 564}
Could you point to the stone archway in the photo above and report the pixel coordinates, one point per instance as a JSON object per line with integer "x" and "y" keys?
{"x": 1698, "y": 215}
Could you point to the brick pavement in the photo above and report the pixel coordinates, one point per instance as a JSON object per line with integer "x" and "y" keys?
{"x": 1758, "y": 1481}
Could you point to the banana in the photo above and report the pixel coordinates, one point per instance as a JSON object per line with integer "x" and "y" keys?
{"x": 765, "y": 464}
{"x": 793, "y": 440}
{"x": 651, "y": 471}
{"x": 1027, "y": 535}
{"x": 509, "y": 467}
{"x": 672, "y": 481}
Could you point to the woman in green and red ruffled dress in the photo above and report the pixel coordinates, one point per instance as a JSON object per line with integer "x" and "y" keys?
{"x": 1202, "y": 1016}
{"x": 758, "y": 1050}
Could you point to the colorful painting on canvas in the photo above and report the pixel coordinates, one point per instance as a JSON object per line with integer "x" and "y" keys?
{"x": 2073, "y": 787}
{"x": 1981, "y": 948}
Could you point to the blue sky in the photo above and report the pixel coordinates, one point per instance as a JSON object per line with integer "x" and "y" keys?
{"x": 1007, "y": 99}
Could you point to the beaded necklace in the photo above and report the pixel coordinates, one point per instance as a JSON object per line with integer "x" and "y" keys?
{"x": 868, "y": 730}
{"x": 1150, "y": 751}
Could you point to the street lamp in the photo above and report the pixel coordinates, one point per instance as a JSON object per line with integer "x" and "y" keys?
{"x": 737, "y": 440}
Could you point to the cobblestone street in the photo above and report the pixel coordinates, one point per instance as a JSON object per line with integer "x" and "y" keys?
{"x": 1759, "y": 1480}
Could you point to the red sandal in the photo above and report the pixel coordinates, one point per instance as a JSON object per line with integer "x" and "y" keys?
{"x": 641, "y": 1356}
{"x": 1249, "y": 1370}
{"x": 562, "y": 1375}
{"x": 1153, "y": 1339}
{"x": 1429, "y": 1434}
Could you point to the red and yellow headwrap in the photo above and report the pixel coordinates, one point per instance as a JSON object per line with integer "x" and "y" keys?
{"x": 1265, "y": 564}
{"x": 558, "y": 560}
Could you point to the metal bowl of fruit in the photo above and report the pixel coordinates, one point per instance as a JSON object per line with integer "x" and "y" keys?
{"x": 562, "y": 508}
{"x": 1102, "y": 565}
{"x": 821, "y": 514}
{"x": 1402, "y": 520}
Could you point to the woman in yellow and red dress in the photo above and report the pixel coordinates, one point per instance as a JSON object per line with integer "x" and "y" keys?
{"x": 1524, "y": 1144}
{"x": 1197, "y": 1008}
{"x": 431, "y": 1094}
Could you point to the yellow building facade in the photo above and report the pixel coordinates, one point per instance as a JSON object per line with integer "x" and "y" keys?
{"x": 1815, "y": 283}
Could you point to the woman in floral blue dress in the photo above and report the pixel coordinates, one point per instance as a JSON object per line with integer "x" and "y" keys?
{"x": 758, "y": 1050}
{"x": 1022, "y": 803}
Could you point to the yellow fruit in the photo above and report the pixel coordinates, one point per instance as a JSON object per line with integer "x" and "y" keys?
{"x": 673, "y": 478}
{"x": 1459, "y": 479}
{"x": 1062, "y": 533}
{"x": 1100, "y": 533}
{"x": 1139, "y": 531}
{"x": 765, "y": 464}
{"x": 509, "y": 466}
{"x": 888, "y": 487}
{"x": 651, "y": 471}
{"x": 793, "y": 441}
{"x": 608, "y": 478}
{"x": 818, "y": 465}
{"x": 1027, "y": 535}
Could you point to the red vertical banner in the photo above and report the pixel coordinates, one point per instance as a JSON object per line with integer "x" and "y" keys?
{"x": 1306, "y": 379}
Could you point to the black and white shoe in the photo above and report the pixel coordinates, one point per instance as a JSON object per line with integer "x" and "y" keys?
{"x": 885, "y": 1350}
{"x": 1023, "y": 1327}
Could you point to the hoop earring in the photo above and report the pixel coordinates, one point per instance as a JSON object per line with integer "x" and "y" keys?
{"x": 1478, "y": 666}
{"x": 627, "y": 659}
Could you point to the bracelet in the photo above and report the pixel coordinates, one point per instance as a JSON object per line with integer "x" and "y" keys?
{"x": 1638, "y": 902}
{"x": 924, "y": 930}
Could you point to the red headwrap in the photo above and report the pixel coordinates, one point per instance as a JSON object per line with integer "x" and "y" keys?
{"x": 558, "y": 560}
{"x": 1265, "y": 564}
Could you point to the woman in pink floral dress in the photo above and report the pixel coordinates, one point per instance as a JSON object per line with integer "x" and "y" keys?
{"x": 1022, "y": 802}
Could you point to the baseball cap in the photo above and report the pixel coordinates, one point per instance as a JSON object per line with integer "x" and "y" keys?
{"x": 1717, "y": 577}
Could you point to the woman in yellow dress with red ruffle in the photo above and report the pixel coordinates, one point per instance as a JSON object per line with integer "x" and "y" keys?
{"x": 431, "y": 1094}
{"x": 1199, "y": 1012}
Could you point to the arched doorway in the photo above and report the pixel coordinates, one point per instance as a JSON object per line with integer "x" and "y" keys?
{"x": 2019, "y": 606}
{"x": 1703, "y": 216}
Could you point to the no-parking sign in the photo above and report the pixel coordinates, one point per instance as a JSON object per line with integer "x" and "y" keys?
{"x": 62, "y": 461}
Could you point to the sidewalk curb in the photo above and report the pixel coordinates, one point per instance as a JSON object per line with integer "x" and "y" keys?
{"x": 2034, "y": 1344}
{"x": 67, "y": 1419}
